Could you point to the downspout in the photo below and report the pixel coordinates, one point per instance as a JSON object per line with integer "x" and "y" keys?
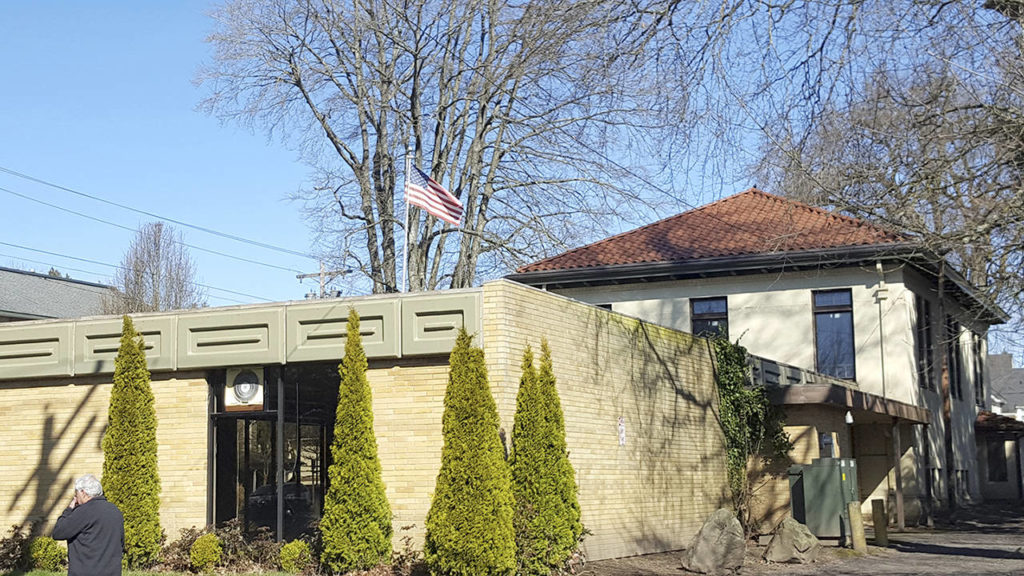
{"x": 881, "y": 295}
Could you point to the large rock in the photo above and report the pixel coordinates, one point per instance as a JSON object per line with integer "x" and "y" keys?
{"x": 719, "y": 547}
{"x": 792, "y": 543}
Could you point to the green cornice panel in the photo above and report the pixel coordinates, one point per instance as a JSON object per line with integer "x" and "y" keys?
{"x": 231, "y": 337}
{"x": 392, "y": 326}
{"x": 431, "y": 321}
{"x": 318, "y": 331}
{"x": 97, "y": 341}
{"x": 35, "y": 350}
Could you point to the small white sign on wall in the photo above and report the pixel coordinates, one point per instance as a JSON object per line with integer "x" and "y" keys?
{"x": 622, "y": 431}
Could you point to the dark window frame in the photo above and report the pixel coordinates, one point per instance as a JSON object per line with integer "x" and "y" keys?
{"x": 720, "y": 316}
{"x": 979, "y": 369}
{"x": 998, "y": 467}
{"x": 954, "y": 358}
{"x": 833, "y": 309}
{"x": 924, "y": 344}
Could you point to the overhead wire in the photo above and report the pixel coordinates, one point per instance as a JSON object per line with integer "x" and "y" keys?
{"x": 73, "y": 285}
{"x": 117, "y": 267}
{"x": 234, "y": 237}
{"x": 123, "y": 227}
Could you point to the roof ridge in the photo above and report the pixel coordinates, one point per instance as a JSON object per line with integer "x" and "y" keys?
{"x": 860, "y": 222}
{"x": 644, "y": 227}
{"x": 49, "y": 277}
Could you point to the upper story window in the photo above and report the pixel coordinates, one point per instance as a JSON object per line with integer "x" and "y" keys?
{"x": 978, "y": 358}
{"x": 924, "y": 346}
{"x": 709, "y": 317}
{"x": 953, "y": 358}
{"x": 833, "y": 333}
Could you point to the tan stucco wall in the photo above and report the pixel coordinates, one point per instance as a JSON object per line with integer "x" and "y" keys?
{"x": 52, "y": 434}
{"x": 654, "y": 492}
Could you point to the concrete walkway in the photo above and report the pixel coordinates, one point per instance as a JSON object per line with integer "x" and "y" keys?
{"x": 983, "y": 540}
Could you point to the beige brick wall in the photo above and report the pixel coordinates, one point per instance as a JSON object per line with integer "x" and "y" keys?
{"x": 653, "y": 493}
{"x": 408, "y": 402}
{"x": 52, "y": 434}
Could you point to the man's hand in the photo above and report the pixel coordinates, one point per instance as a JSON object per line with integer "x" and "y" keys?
{"x": 74, "y": 501}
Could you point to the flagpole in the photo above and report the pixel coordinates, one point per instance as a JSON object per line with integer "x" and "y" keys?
{"x": 405, "y": 245}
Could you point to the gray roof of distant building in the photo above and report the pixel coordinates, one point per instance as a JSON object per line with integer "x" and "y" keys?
{"x": 26, "y": 295}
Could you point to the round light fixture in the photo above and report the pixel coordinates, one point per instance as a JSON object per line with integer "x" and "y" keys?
{"x": 245, "y": 386}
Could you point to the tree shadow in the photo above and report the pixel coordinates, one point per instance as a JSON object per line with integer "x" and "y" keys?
{"x": 966, "y": 551}
{"x": 48, "y": 483}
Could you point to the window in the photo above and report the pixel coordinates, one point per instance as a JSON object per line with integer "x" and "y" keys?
{"x": 604, "y": 306}
{"x": 709, "y": 317}
{"x": 978, "y": 358}
{"x": 996, "y": 460}
{"x": 953, "y": 362}
{"x": 833, "y": 333}
{"x": 924, "y": 346}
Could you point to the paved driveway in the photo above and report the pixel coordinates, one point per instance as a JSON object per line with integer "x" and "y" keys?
{"x": 985, "y": 540}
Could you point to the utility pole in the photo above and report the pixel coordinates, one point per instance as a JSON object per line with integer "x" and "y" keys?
{"x": 325, "y": 276}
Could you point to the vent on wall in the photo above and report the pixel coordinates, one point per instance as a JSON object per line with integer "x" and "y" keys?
{"x": 243, "y": 390}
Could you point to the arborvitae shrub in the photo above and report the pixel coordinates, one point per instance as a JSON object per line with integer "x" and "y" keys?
{"x": 296, "y": 557}
{"x": 130, "y": 478}
{"x": 469, "y": 526}
{"x": 548, "y": 525}
{"x": 356, "y": 523}
{"x": 46, "y": 554}
{"x": 205, "y": 553}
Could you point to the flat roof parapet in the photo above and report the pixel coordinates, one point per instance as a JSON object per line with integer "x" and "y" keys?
{"x": 392, "y": 326}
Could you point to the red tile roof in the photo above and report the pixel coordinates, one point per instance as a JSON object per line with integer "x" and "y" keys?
{"x": 992, "y": 422}
{"x": 748, "y": 223}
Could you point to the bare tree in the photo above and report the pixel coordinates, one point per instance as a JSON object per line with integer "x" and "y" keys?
{"x": 935, "y": 151}
{"x": 156, "y": 273}
{"x": 517, "y": 108}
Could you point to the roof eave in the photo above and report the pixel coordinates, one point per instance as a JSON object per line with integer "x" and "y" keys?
{"x": 755, "y": 263}
{"x": 704, "y": 267}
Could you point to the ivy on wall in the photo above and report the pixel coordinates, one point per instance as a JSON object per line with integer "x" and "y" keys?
{"x": 753, "y": 427}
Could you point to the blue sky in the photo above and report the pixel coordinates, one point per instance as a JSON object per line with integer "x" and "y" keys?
{"x": 98, "y": 97}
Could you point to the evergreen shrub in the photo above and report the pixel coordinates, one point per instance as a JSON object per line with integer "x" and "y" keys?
{"x": 469, "y": 526}
{"x": 296, "y": 557}
{"x": 130, "y": 478}
{"x": 356, "y": 524}
{"x": 46, "y": 554}
{"x": 206, "y": 552}
{"x": 548, "y": 528}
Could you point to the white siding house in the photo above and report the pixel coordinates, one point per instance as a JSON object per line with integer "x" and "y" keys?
{"x": 823, "y": 292}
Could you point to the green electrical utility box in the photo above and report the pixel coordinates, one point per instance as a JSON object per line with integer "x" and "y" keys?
{"x": 819, "y": 494}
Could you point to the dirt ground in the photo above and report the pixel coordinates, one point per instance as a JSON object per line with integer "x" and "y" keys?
{"x": 984, "y": 540}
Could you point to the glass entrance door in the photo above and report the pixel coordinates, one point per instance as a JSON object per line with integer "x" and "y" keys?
{"x": 251, "y": 459}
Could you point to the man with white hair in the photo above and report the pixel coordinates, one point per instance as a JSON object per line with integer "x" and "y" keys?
{"x": 94, "y": 529}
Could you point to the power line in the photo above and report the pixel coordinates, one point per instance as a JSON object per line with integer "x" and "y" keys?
{"x": 93, "y": 272}
{"x": 158, "y": 216}
{"x": 116, "y": 267}
{"x": 123, "y": 227}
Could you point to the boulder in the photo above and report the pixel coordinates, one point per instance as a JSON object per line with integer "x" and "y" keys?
{"x": 792, "y": 543}
{"x": 719, "y": 547}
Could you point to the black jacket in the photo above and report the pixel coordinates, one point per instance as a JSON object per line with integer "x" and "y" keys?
{"x": 95, "y": 535}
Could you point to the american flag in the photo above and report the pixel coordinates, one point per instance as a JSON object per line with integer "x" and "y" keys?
{"x": 426, "y": 193}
